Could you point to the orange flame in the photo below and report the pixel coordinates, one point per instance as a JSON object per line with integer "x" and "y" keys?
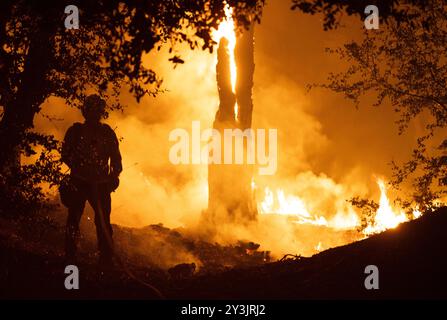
{"x": 227, "y": 30}
{"x": 280, "y": 203}
{"x": 386, "y": 216}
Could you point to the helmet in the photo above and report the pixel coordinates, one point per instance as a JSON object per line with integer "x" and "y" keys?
{"x": 94, "y": 106}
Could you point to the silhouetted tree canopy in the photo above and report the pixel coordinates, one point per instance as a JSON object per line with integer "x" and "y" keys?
{"x": 405, "y": 63}
{"x": 333, "y": 10}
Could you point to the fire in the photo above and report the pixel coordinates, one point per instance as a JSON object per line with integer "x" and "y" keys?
{"x": 227, "y": 30}
{"x": 291, "y": 205}
{"x": 345, "y": 220}
{"x": 386, "y": 216}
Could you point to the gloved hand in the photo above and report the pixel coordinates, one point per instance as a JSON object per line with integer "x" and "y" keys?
{"x": 113, "y": 183}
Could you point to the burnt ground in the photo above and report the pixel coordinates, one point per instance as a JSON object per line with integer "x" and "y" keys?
{"x": 411, "y": 260}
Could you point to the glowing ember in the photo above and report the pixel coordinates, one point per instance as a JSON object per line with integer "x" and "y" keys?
{"x": 227, "y": 30}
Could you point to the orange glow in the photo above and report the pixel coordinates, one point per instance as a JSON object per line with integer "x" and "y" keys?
{"x": 227, "y": 30}
{"x": 319, "y": 247}
{"x": 345, "y": 220}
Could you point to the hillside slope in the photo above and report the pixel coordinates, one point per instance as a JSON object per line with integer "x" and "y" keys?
{"x": 412, "y": 262}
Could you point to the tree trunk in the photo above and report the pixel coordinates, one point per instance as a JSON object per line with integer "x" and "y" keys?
{"x": 244, "y": 55}
{"x": 230, "y": 192}
{"x": 19, "y": 113}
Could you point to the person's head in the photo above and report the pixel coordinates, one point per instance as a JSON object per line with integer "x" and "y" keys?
{"x": 94, "y": 108}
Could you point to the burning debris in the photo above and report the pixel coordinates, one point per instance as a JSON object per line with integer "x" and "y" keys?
{"x": 184, "y": 254}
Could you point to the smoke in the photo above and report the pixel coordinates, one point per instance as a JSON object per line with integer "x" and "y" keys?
{"x": 327, "y": 150}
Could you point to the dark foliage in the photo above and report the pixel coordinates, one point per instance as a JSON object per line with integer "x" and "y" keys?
{"x": 404, "y": 64}
{"x": 333, "y": 10}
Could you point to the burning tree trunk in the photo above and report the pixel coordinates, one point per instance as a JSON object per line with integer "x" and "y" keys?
{"x": 244, "y": 55}
{"x": 230, "y": 192}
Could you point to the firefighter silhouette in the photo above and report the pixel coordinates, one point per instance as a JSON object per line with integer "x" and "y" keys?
{"x": 91, "y": 151}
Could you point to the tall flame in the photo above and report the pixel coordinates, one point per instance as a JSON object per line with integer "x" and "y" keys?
{"x": 386, "y": 216}
{"x": 227, "y": 30}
